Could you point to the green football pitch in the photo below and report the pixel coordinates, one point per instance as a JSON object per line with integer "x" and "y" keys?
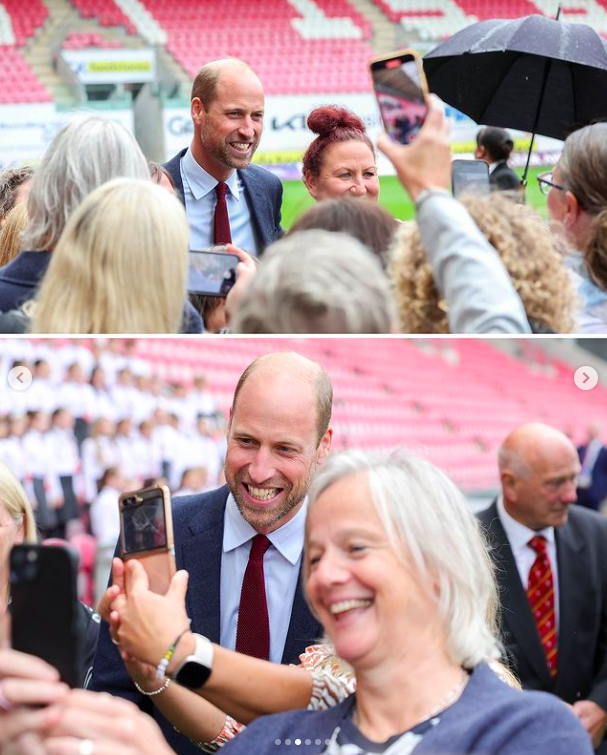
{"x": 393, "y": 197}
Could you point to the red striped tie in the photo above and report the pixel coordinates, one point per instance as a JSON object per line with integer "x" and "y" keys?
{"x": 541, "y": 597}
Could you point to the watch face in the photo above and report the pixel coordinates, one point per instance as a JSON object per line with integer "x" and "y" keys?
{"x": 193, "y": 674}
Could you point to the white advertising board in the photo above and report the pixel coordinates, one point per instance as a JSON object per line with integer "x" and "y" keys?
{"x": 98, "y": 66}
{"x": 26, "y": 130}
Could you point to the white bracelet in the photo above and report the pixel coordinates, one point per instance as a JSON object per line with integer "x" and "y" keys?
{"x": 167, "y": 681}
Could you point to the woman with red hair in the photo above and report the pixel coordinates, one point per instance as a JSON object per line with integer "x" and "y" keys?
{"x": 341, "y": 160}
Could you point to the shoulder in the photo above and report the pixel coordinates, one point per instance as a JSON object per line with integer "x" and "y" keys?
{"x": 255, "y": 174}
{"x": 173, "y": 164}
{"x": 204, "y": 506}
{"x": 589, "y": 523}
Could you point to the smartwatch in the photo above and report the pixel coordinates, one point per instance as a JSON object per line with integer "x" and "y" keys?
{"x": 194, "y": 671}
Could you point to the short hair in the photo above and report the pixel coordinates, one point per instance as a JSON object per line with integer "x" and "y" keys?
{"x": 84, "y": 154}
{"x": 11, "y": 232}
{"x": 368, "y": 222}
{"x": 526, "y": 247}
{"x": 157, "y": 171}
{"x": 497, "y": 142}
{"x": 10, "y": 181}
{"x": 333, "y": 124}
{"x": 427, "y": 520}
{"x": 204, "y": 86}
{"x": 120, "y": 265}
{"x": 317, "y": 282}
{"x": 323, "y": 389}
{"x": 583, "y": 169}
{"x": 16, "y": 503}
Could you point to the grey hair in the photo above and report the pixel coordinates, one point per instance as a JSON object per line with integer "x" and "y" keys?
{"x": 426, "y": 519}
{"x": 84, "y": 154}
{"x": 317, "y": 282}
{"x": 510, "y": 458}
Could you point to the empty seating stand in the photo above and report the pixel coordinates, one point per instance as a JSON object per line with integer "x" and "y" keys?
{"x": 19, "y": 20}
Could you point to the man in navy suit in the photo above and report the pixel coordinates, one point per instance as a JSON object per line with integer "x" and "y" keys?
{"x": 592, "y": 482}
{"x": 278, "y": 434}
{"x": 558, "y": 645}
{"x": 227, "y": 108}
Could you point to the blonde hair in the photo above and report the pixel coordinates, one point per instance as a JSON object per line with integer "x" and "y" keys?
{"x": 10, "y": 235}
{"x": 16, "y": 503}
{"x": 526, "y": 248}
{"x": 120, "y": 265}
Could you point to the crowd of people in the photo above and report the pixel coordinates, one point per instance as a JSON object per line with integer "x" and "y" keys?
{"x": 469, "y": 266}
{"x": 354, "y": 595}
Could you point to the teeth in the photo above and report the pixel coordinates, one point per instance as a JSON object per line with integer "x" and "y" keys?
{"x": 262, "y": 494}
{"x": 242, "y": 146}
{"x": 346, "y": 605}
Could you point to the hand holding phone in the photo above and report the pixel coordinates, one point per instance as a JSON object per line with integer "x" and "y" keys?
{"x": 146, "y": 533}
{"x": 401, "y": 90}
{"x": 211, "y": 273}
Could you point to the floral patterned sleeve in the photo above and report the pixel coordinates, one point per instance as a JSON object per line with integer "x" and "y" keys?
{"x": 332, "y": 682}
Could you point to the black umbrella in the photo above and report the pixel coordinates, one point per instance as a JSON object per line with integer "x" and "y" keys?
{"x": 532, "y": 74}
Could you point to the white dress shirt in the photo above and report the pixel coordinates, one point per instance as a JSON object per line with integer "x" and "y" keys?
{"x": 519, "y": 536}
{"x": 200, "y": 200}
{"x": 281, "y": 566}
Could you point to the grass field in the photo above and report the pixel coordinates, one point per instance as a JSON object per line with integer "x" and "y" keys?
{"x": 393, "y": 197}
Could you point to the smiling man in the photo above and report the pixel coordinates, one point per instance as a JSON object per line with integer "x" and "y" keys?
{"x": 242, "y": 544}
{"x": 226, "y": 198}
{"x": 551, "y": 565}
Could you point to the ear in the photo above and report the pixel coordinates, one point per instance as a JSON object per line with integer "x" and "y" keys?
{"x": 196, "y": 110}
{"x": 572, "y": 209}
{"x": 310, "y": 182}
{"x": 324, "y": 447}
{"x": 20, "y": 536}
{"x": 509, "y": 487}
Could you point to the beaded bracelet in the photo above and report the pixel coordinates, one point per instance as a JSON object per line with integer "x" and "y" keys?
{"x": 167, "y": 681}
{"x": 166, "y": 659}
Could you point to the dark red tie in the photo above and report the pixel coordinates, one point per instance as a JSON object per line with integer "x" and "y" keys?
{"x": 541, "y": 596}
{"x": 253, "y": 629}
{"x": 221, "y": 225}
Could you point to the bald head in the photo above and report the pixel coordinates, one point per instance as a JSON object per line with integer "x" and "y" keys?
{"x": 538, "y": 468}
{"x": 289, "y": 366}
{"x": 209, "y": 76}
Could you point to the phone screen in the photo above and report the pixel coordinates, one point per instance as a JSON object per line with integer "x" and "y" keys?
{"x": 143, "y": 523}
{"x": 469, "y": 176}
{"x": 211, "y": 273}
{"x": 400, "y": 95}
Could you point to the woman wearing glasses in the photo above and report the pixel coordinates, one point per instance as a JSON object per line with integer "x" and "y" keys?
{"x": 577, "y": 209}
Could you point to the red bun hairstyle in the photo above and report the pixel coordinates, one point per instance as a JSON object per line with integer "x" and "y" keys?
{"x": 333, "y": 124}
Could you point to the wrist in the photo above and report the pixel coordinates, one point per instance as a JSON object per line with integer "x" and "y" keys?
{"x": 186, "y": 647}
{"x": 424, "y": 193}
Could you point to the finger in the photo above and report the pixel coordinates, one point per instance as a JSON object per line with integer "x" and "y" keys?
{"x": 16, "y": 723}
{"x": 135, "y": 577}
{"x": 26, "y": 744}
{"x": 118, "y": 573}
{"x": 179, "y": 586}
{"x": 71, "y": 746}
{"x": 27, "y": 692}
{"x": 24, "y": 666}
{"x": 387, "y": 146}
{"x": 105, "y": 604}
{"x": 233, "y": 249}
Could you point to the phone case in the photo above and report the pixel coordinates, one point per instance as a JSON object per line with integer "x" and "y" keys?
{"x": 44, "y": 607}
{"x": 159, "y": 563}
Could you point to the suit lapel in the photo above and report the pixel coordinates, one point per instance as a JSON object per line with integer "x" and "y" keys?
{"x": 257, "y": 197}
{"x": 302, "y": 627}
{"x": 516, "y": 611}
{"x": 573, "y": 571}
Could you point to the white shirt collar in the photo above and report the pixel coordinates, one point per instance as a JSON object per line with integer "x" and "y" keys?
{"x": 287, "y": 539}
{"x": 518, "y": 535}
{"x": 201, "y": 182}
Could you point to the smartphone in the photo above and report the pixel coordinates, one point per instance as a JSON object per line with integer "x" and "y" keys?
{"x": 470, "y": 177}
{"x": 146, "y": 533}
{"x": 401, "y": 89}
{"x": 44, "y": 607}
{"x": 211, "y": 273}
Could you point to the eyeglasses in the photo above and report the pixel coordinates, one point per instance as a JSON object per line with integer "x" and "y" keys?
{"x": 546, "y": 183}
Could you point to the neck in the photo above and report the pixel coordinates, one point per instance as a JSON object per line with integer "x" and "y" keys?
{"x": 213, "y": 167}
{"x": 395, "y": 698}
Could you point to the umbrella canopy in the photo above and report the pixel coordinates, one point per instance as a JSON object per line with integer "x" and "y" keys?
{"x": 500, "y": 72}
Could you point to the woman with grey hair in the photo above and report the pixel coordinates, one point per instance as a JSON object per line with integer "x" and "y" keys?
{"x": 397, "y": 569}
{"x": 84, "y": 154}
{"x": 576, "y": 191}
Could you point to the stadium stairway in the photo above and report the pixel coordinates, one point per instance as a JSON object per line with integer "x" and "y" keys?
{"x": 383, "y": 35}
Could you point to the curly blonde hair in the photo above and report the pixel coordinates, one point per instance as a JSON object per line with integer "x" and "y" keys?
{"x": 524, "y": 244}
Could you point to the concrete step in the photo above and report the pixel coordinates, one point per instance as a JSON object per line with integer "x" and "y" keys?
{"x": 384, "y": 31}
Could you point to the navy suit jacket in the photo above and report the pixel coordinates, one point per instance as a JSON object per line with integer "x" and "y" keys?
{"x": 593, "y": 496}
{"x": 503, "y": 178}
{"x": 20, "y": 279}
{"x": 198, "y": 531}
{"x": 581, "y": 547}
{"x": 263, "y": 194}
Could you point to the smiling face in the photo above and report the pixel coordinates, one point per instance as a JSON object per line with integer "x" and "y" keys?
{"x": 348, "y": 169}
{"x": 230, "y": 127}
{"x": 273, "y": 447}
{"x": 364, "y": 594}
